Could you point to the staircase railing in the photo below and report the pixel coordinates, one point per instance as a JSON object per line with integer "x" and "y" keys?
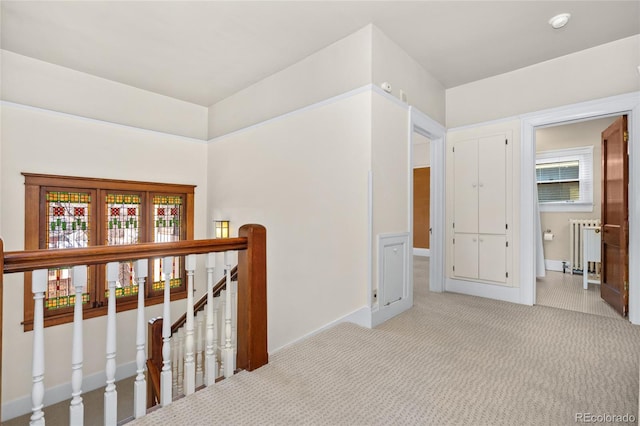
{"x": 251, "y": 345}
{"x": 209, "y": 361}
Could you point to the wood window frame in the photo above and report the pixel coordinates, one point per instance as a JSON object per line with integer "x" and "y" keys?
{"x": 35, "y": 220}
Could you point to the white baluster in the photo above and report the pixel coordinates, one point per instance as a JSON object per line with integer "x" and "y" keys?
{"x": 39, "y": 280}
{"x": 180, "y": 343}
{"x": 222, "y": 303}
{"x": 234, "y": 321}
{"x": 76, "y": 408}
{"x": 189, "y": 359}
{"x": 228, "y": 348}
{"x": 174, "y": 364}
{"x": 211, "y": 364}
{"x": 140, "y": 386}
{"x": 110, "y": 394}
{"x": 199, "y": 372}
{"x": 165, "y": 376}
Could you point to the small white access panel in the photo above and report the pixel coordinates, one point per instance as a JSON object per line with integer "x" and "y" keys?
{"x": 394, "y": 281}
{"x": 393, "y": 273}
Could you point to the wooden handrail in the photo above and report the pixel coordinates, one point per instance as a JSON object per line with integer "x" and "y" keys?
{"x": 30, "y": 260}
{"x": 200, "y": 304}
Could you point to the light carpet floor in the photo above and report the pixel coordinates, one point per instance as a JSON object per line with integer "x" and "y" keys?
{"x": 565, "y": 291}
{"x": 451, "y": 359}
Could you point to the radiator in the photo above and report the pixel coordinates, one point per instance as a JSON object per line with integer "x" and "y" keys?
{"x": 575, "y": 242}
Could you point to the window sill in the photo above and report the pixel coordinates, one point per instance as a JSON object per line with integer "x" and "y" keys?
{"x": 566, "y": 207}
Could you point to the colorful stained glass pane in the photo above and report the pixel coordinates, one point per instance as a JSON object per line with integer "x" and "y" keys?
{"x": 68, "y": 225}
{"x": 60, "y": 290}
{"x": 123, "y": 227}
{"x": 158, "y": 276}
{"x": 167, "y": 228}
{"x": 68, "y": 221}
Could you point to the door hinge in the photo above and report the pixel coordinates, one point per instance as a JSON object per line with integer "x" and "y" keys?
{"x": 454, "y": 241}
{"x": 453, "y": 149}
{"x": 454, "y": 225}
{"x": 626, "y": 286}
{"x": 507, "y": 243}
{"x": 506, "y": 226}
{"x": 625, "y": 136}
{"x": 454, "y": 268}
{"x": 506, "y": 274}
{"x": 506, "y": 141}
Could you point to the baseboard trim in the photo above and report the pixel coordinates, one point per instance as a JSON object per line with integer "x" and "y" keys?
{"x": 361, "y": 317}
{"x": 21, "y": 406}
{"x": 381, "y": 315}
{"x": 554, "y": 265}
{"x": 421, "y": 252}
{"x": 489, "y": 291}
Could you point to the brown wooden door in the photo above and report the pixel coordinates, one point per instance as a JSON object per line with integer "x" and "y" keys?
{"x": 421, "y": 209}
{"x": 615, "y": 216}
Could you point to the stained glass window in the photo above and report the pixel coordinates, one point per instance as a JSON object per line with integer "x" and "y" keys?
{"x": 123, "y": 227}
{"x": 167, "y": 227}
{"x": 77, "y": 212}
{"x": 68, "y": 225}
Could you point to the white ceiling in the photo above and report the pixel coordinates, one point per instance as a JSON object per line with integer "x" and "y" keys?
{"x": 204, "y": 51}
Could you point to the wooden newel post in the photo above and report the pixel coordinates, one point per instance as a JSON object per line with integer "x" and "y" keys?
{"x": 252, "y": 299}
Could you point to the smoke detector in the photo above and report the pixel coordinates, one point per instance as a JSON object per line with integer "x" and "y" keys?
{"x": 560, "y": 20}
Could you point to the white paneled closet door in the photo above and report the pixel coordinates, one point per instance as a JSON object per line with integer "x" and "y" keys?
{"x": 480, "y": 225}
{"x": 492, "y": 258}
{"x": 466, "y": 186}
{"x": 492, "y": 181}
{"x": 465, "y": 253}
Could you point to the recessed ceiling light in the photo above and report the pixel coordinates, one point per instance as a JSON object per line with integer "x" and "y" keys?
{"x": 560, "y": 20}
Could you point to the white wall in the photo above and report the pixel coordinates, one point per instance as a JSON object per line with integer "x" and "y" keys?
{"x": 390, "y": 168}
{"x": 421, "y": 151}
{"x": 338, "y": 68}
{"x": 586, "y": 133}
{"x": 606, "y": 70}
{"x": 37, "y": 83}
{"x": 393, "y": 65}
{"x": 304, "y": 177}
{"x": 44, "y": 142}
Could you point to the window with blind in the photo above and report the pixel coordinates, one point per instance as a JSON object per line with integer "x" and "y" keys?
{"x": 565, "y": 179}
{"x": 66, "y": 212}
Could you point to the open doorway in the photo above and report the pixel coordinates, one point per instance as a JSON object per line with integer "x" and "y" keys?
{"x": 428, "y": 149}
{"x": 421, "y": 210}
{"x": 569, "y": 162}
